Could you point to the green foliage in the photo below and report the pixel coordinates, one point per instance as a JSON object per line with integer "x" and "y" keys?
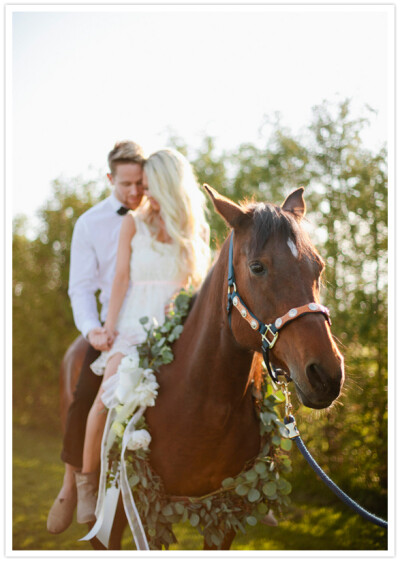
{"x": 241, "y": 500}
{"x": 43, "y": 326}
{"x": 156, "y": 349}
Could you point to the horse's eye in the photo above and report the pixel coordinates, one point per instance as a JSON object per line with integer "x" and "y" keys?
{"x": 257, "y": 268}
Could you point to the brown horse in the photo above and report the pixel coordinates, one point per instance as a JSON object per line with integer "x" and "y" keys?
{"x": 203, "y": 425}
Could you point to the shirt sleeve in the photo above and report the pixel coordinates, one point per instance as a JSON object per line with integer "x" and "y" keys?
{"x": 83, "y": 280}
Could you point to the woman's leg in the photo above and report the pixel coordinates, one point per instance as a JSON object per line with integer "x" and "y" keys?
{"x": 96, "y": 421}
{"x": 87, "y": 480}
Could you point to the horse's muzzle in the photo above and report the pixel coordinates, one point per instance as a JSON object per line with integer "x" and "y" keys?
{"x": 323, "y": 387}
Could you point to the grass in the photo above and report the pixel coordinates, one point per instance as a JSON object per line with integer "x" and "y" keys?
{"x": 318, "y": 522}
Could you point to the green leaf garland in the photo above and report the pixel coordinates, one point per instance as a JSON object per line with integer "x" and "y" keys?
{"x": 241, "y": 500}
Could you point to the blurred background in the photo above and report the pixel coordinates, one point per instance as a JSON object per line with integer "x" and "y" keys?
{"x": 261, "y": 100}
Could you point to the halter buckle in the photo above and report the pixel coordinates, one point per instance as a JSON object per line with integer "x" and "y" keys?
{"x": 274, "y": 337}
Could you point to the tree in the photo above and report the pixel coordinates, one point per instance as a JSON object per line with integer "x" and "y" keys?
{"x": 43, "y": 326}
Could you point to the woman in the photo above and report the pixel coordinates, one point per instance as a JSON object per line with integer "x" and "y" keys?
{"x": 162, "y": 248}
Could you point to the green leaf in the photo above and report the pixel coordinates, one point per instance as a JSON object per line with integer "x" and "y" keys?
{"x": 167, "y": 510}
{"x": 133, "y": 480}
{"x": 251, "y": 520}
{"x": 266, "y": 449}
{"x": 227, "y": 482}
{"x": 194, "y": 519}
{"x": 260, "y": 467}
{"x": 177, "y": 330}
{"x": 251, "y": 475}
{"x": 179, "y": 508}
{"x": 276, "y": 440}
{"x": 253, "y": 495}
{"x": 269, "y": 489}
{"x": 268, "y": 417}
{"x": 286, "y": 444}
{"x": 241, "y": 490}
{"x": 284, "y": 486}
{"x": 144, "y": 320}
{"x": 262, "y": 508}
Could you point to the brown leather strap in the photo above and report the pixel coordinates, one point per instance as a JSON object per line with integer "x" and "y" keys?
{"x": 244, "y": 312}
{"x": 300, "y": 311}
{"x": 280, "y": 322}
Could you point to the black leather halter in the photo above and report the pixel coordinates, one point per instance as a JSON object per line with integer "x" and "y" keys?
{"x": 269, "y": 332}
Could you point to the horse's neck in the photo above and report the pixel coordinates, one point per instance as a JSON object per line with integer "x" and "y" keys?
{"x": 218, "y": 363}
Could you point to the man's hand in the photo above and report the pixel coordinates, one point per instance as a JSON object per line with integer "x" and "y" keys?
{"x": 100, "y": 339}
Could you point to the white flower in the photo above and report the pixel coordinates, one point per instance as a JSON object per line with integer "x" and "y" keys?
{"x": 146, "y": 391}
{"x": 130, "y": 361}
{"x": 140, "y": 439}
{"x": 118, "y": 428}
{"x": 130, "y": 375}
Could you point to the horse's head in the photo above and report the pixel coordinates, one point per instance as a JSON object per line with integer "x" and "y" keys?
{"x": 277, "y": 270}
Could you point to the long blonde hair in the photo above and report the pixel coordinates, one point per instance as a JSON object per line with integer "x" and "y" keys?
{"x": 173, "y": 185}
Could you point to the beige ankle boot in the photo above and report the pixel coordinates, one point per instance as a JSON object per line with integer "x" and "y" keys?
{"x": 86, "y": 486}
{"x": 61, "y": 512}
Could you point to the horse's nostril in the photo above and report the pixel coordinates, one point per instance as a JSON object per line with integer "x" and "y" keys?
{"x": 322, "y": 382}
{"x": 316, "y": 377}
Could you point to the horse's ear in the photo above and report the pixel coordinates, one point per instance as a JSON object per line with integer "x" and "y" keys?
{"x": 230, "y": 211}
{"x": 294, "y": 203}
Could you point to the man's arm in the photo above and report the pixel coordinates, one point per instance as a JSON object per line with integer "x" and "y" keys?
{"x": 83, "y": 282}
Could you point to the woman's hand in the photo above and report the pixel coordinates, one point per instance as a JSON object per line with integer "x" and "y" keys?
{"x": 98, "y": 338}
{"x": 111, "y": 333}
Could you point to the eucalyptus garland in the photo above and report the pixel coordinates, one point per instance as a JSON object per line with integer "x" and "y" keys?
{"x": 241, "y": 500}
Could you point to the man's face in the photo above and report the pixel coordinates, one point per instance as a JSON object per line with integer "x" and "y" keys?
{"x": 127, "y": 182}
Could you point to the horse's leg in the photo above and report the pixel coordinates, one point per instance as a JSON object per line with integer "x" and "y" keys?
{"x": 226, "y": 543}
{"x": 118, "y": 527}
{"x": 117, "y": 531}
{"x": 97, "y": 545}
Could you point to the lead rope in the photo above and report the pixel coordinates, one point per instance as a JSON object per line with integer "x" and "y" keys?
{"x": 294, "y": 435}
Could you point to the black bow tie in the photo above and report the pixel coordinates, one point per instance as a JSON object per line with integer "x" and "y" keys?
{"x": 122, "y": 210}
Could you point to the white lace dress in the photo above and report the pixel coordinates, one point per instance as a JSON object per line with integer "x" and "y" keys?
{"x": 156, "y": 276}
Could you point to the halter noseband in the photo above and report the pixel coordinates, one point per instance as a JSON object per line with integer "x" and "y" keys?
{"x": 270, "y": 330}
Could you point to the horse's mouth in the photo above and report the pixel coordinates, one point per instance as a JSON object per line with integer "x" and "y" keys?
{"x": 310, "y": 402}
{"x": 283, "y": 373}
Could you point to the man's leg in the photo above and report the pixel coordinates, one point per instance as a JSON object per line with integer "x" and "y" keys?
{"x": 61, "y": 513}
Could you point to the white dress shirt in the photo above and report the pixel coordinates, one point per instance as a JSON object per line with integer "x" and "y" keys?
{"x": 93, "y": 258}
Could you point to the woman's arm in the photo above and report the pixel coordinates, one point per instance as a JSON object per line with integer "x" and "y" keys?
{"x": 122, "y": 272}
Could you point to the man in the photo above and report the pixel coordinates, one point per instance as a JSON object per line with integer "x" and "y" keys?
{"x": 93, "y": 257}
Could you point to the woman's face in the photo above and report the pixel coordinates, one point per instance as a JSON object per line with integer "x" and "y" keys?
{"x": 154, "y": 204}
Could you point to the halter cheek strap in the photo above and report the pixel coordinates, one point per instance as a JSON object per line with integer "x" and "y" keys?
{"x": 269, "y": 332}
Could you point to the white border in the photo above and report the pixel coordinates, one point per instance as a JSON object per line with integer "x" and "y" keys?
{"x": 389, "y": 8}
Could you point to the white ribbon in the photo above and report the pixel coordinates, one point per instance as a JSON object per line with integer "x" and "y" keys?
{"x": 131, "y": 511}
{"x": 107, "y": 500}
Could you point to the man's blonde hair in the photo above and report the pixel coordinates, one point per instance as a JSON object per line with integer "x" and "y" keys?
{"x": 173, "y": 185}
{"x": 125, "y": 152}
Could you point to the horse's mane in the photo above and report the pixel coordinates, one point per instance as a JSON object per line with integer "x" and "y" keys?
{"x": 271, "y": 220}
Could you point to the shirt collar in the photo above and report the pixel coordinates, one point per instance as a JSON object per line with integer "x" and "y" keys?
{"x": 115, "y": 203}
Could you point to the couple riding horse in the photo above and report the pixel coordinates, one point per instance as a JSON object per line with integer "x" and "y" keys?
{"x": 203, "y": 426}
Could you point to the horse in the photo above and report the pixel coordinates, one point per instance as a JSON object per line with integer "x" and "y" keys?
{"x": 204, "y": 426}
